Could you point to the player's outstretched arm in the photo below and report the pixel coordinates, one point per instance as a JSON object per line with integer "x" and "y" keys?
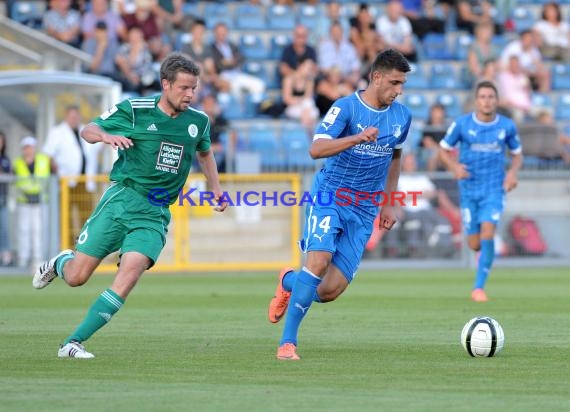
{"x": 210, "y": 170}
{"x": 330, "y": 147}
{"x": 92, "y": 133}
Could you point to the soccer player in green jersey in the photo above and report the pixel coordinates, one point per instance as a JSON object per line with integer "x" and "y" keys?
{"x": 156, "y": 137}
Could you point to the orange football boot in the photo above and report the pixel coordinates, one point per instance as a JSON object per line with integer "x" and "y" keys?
{"x": 287, "y": 351}
{"x": 280, "y": 301}
{"x": 479, "y": 295}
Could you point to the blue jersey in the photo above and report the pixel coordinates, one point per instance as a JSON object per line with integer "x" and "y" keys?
{"x": 482, "y": 150}
{"x": 364, "y": 167}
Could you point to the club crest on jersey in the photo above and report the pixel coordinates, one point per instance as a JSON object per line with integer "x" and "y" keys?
{"x": 396, "y": 130}
{"x": 193, "y": 130}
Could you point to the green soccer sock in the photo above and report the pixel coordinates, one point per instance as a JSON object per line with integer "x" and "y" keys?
{"x": 99, "y": 314}
{"x": 61, "y": 261}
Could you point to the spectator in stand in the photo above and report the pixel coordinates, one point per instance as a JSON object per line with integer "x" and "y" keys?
{"x": 32, "y": 171}
{"x": 73, "y": 156}
{"x": 62, "y": 23}
{"x": 421, "y": 15}
{"x": 299, "y": 95}
{"x": 334, "y": 13}
{"x": 545, "y": 117}
{"x": 337, "y": 51}
{"x": 515, "y": 91}
{"x": 481, "y": 50}
{"x": 5, "y": 169}
{"x": 360, "y": 27}
{"x": 530, "y": 59}
{"x": 553, "y": 34}
{"x": 228, "y": 61}
{"x": 297, "y": 52}
{"x": 144, "y": 18}
{"x": 218, "y": 125}
{"x": 100, "y": 12}
{"x": 330, "y": 87}
{"x": 470, "y": 13}
{"x": 134, "y": 61}
{"x": 373, "y": 45}
{"x": 201, "y": 54}
{"x": 103, "y": 51}
{"x": 169, "y": 16}
{"x": 432, "y": 133}
{"x": 396, "y": 30}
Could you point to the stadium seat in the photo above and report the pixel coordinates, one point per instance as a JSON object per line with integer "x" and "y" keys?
{"x": 28, "y": 13}
{"x": 436, "y": 48}
{"x": 523, "y": 18}
{"x": 562, "y": 111}
{"x": 215, "y": 13}
{"x": 416, "y": 78}
{"x": 280, "y": 17}
{"x": 443, "y": 77}
{"x": 308, "y": 15}
{"x": 278, "y": 43}
{"x": 296, "y": 143}
{"x": 542, "y": 100}
{"x": 264, "y": 140}
{"x": 257, "y": 69}
{"x": 453, "y": 107}
{"x": 191, "y": 9}
{"x": 560, "y": 76}
{"x": 232, "y": 107}
{"x": 181, "y": 40}
{"x": 252, "y": 47}
{"x": 418, "y": 105}
{"x": 250, "y": 17}
{"x": 462, "y": 44}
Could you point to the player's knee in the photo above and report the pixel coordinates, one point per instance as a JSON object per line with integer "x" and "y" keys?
{"x": 318, "y": 265}
{"x": 75, "y": 279}
{"x": 329, "y": 296}
{"x": 474, "y": 245}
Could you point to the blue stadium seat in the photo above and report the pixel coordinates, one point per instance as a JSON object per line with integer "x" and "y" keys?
{"x": 281, "y": 17}
{"x": 256, "y": 69}
{"x": 462, "y": 44}
{"x": 416, "y": 78}
{"x": 436, "y": 48}
{"x": 264, "y": 140}
{"x": 215, "y": 13}
{"x": 523, "y": 18}
{"x": 542, "y": 100}
{"x": 252, "y": 47}
{"x": 250, "y": 17}
{"x": 308, "y": 15}
{"x": 296, "y": 143}
{"x": 418, "y": 105}
{"x": 232, "y": 107}
{"x": 562, "y": 111}
{"x": 443, "y": 77}
{"x": 181, "y": 40}
{"x": 560, "y": 76}
{"x": 278, "y": 43}
{"x": 28, "y": 13}
{"x": 453, "y": 107}
{"x": 191, "y": 9}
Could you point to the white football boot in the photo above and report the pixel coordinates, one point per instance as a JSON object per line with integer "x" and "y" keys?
{"x": 46, "y": 272}
{"x": 74, "y": 350}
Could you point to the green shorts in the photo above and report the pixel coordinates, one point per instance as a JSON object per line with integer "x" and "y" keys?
{"x": 124, "y": 220}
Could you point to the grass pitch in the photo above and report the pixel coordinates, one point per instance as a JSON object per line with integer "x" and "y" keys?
{"x": 202, "y": 343}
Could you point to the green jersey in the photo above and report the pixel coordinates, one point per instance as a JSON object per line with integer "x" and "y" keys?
{"x": 163, "y": 147}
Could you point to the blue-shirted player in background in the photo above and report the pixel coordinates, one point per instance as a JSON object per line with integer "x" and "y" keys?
{"x": 483, "y": 135}
{"x": 361, "y": 136}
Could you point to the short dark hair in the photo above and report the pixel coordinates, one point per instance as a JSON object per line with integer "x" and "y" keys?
{"x": 486, "y": 84}
{"x": 176, "y": 63}
{"x": 389, "y": 60}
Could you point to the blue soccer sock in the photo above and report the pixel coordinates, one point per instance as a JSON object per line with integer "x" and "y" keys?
{"x": 289, "y": 280}
{"x": 485, "y": 262}
{"x": 302, "y": 297}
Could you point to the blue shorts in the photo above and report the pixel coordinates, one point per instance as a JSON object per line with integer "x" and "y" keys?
{"x": 340, "y": 231}
{"x": 476, "y": 211}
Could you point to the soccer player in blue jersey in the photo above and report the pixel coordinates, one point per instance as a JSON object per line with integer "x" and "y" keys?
{"x": 361, "y": 136}
{"x": 484, "y": 136}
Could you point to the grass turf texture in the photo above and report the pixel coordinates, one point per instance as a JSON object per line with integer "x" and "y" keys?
{"x": 202, "y": 343}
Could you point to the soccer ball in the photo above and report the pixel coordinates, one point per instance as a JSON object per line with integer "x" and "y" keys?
{"x": 482, "y": 337}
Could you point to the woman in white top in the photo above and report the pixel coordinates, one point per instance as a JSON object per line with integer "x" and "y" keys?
{"x": 553, "y": 34}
